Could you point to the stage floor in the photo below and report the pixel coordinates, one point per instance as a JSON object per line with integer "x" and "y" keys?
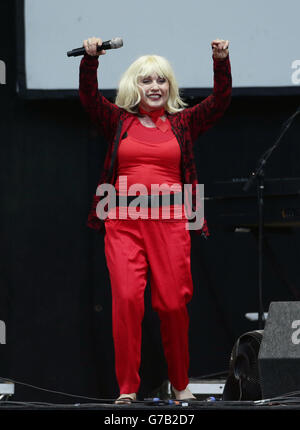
{"x": 195, "y": 405}
{"x": 141, "y": 414}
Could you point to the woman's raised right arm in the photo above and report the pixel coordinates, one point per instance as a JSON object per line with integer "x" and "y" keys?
{"x": 103, "y": 114}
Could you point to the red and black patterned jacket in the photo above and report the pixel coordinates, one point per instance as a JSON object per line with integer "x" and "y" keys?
{"x": 187, "y": 125}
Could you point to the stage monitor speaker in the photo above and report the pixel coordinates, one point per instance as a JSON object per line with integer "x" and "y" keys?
{"x": 279, "y": 354}
{"x": 243, "y": 382}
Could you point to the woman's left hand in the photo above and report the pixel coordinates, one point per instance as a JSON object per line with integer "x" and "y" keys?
{"x": 220, "y": 48}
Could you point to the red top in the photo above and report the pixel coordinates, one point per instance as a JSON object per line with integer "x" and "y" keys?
{"x": 188, "y": 124}
{"x": 150, "y": 157}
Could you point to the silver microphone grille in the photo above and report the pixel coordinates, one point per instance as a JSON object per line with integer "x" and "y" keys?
{"x": 117, "y": 42}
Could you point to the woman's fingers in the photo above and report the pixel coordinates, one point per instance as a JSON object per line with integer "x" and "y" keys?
{"x": 220, "y": 44}
{"x": 91, "y": 45}
{"x": 220, "y": 48}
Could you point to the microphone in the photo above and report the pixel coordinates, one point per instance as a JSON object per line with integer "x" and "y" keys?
{"x": 115, "y": 43}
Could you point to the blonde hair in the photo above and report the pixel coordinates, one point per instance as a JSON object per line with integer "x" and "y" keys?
{"x": 128, "y": 95}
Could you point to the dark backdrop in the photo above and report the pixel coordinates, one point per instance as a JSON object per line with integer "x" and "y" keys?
{"x": 55, "y": 294}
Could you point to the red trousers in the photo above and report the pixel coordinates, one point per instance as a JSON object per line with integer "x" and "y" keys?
{"x": 132, "y": 247}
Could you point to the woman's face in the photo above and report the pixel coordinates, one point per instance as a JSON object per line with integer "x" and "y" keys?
{"x": 154, "y": 91}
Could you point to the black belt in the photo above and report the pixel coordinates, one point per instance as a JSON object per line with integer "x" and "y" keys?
{"x": 152, "y": 201}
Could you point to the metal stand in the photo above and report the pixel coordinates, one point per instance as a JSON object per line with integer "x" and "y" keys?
{"x": 259, "y": 176}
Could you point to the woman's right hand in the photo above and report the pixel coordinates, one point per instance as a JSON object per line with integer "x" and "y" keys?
{"x": 90, "y": 46}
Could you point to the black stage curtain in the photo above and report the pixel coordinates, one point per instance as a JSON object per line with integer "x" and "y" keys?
{"x": 55, "y": 295}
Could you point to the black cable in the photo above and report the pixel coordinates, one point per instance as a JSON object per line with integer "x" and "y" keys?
{"x": 37, "y": 404}
{"x": 50, "y": 405}
{"x": 53, "y": 391}
{"x": 225, "y": 372}
{"x": 284, "y": 398}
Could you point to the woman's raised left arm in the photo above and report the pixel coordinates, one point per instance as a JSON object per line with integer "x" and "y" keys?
{"x": 202, "y": 116}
